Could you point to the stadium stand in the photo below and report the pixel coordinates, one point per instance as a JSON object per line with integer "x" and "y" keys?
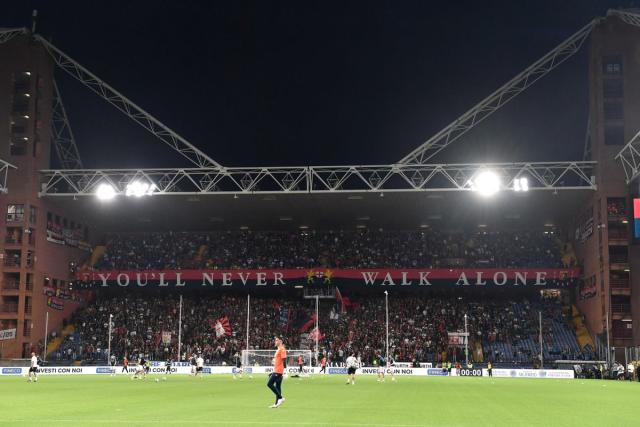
{"x": 504, "y": 330}
{"x": 339, "y": 249}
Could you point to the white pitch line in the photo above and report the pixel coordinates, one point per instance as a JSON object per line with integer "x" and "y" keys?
{"x": 230, "y": 422}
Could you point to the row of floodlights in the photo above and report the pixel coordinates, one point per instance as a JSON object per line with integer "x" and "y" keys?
{"x": 486, "y": 183}
{"x": 133, "y": 189}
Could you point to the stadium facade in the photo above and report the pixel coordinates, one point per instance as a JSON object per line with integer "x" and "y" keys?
{"x": 32, "y": 261}
{"x": 604, "y": 238}
{"x": 42, "y": 240}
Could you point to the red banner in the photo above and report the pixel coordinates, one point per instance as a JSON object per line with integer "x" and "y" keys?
{"x": 364, "y": 277}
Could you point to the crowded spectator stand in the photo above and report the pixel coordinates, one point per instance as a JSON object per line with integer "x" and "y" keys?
{"x": 503, "y": 328}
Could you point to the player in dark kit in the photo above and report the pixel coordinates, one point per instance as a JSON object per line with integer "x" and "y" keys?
{"x": 300, "y": 363}
{"x": 238, "y": 370}
{"x": 167, "y": 366}
{"x": 142, "y": 362}
{"x": 192, "y": 361}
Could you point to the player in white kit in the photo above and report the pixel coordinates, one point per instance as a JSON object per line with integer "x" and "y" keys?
{"x": 33, "y": 368}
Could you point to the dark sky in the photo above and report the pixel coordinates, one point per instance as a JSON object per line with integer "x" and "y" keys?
{"x": 304, "y": 83}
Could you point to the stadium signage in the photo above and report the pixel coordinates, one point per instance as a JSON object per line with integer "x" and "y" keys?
{"x": 533, "y": 373}
{"x": 342, "y": 277}
{"x": 465, "y": 372}
{"x": 7, "y": 334}
{"x": 67, "y": 370}
{"x": 437, "y": 372}
{"x": 389, "y": 371}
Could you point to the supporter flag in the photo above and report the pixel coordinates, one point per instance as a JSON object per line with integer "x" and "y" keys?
{"x": 343, "y": 302}
{"x": 309, "y": 323}
{"x": 222, "y": 327}
{"x": 340, "y": 300}
{"x": 284, "y": 317}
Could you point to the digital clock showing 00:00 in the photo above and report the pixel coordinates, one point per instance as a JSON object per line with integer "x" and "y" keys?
{"x": 465, "y": 372}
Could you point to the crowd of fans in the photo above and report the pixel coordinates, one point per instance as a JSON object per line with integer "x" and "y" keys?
{"x": 418, "y": 331}
{"x": 340, "y": 249}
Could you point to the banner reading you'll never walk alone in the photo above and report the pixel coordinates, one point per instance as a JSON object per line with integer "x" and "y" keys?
{"x": 401, "y": 278}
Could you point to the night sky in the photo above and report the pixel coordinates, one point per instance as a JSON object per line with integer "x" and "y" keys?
{"x": 318, "y": 83}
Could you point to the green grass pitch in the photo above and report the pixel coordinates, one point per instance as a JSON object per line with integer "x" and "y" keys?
{"x": 319, "y": 401}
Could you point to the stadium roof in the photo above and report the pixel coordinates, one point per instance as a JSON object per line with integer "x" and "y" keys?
{"x": 411, "y": 210}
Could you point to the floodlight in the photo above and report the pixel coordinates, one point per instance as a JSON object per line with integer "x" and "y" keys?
{"x": 139, "y": 189}
{"x": 521, "y": 184}
{"x": 487, "y": 183}
{"x": 105, "y": 192}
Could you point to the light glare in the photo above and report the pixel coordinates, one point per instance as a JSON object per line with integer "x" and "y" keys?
{"x": 521, "y": 184}
{"x": 105, "y": 192}
{"x": 487, "y": 183}
{"x": 139, "y": 189}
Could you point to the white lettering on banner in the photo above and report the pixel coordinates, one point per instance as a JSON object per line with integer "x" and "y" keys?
{"x": 277, "y": 277}
{"x": 104, "y": 278}
{"x": 369, "y": 277}
{"x": 126, "y": 276}
{"x": 495, "y": 278}
{"x": 226, "y": 279}
{"x": 206, "y": 277}
{"x": 463, "y": 278}
{"x": 178, "y": 282}
{"x": 520, "y": 277}
{"x": 146, "y": 278}
{"x": 404, "y": 279}
{"x": 388, "y": 280}
{"x": 244, "y": 279}
{"x": 162, "y": 282}
{"x": 424, "y": 275}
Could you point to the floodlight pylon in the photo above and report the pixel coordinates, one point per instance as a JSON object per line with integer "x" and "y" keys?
{"x": 500, "y": 97}
{"x": 63, "y": 139}
{"x": 125, "y": 105}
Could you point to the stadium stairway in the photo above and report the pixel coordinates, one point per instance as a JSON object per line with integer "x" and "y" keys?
{"x": 55, "y": 343}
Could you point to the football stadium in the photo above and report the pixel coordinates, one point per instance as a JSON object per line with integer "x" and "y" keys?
{"x": 455, "y": 283}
